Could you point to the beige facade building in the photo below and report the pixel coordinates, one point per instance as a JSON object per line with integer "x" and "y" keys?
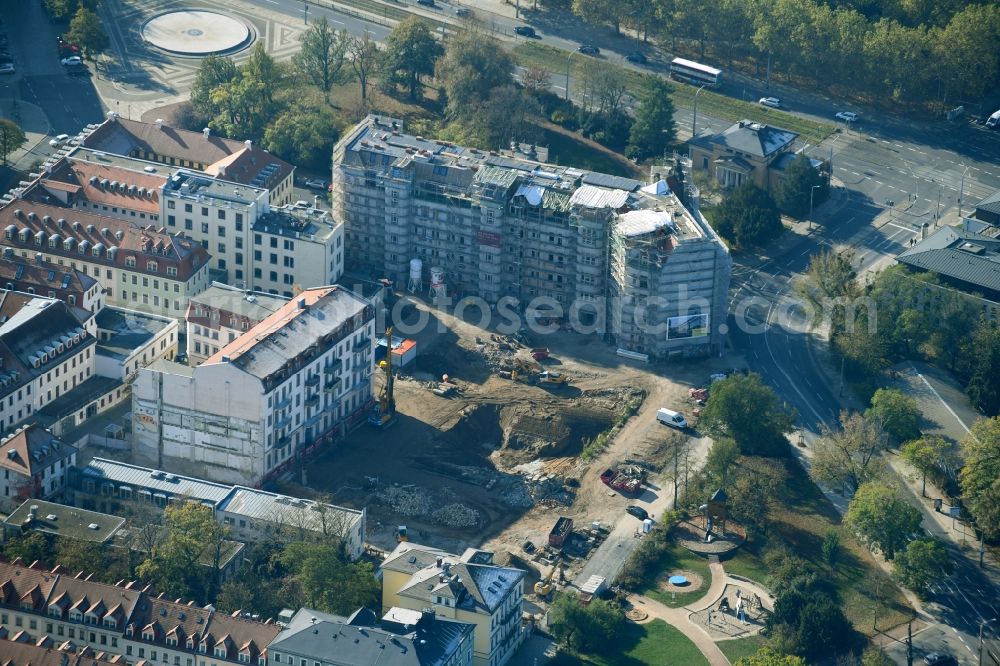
{"x": 746, "y": 151}
{"x": 469, "y": 589}
{"x": 34, "y": 464}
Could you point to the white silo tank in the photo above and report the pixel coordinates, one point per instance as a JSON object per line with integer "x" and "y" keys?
{"x": 415, "y": 283}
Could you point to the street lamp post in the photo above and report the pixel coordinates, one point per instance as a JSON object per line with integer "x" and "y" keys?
{"x": 694, "y": 118}
{"x": 812, "y": 191}
{"x": 916, "y": 183}
{"x": 305, "y": 12}
{"x": 569, "y": 58}
{"x": 961, "y": 194}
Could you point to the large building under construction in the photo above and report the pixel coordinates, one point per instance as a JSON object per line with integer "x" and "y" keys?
{"x": 601, "y": 253}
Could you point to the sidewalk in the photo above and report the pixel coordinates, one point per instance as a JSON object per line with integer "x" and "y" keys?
{"x": 36, "y": 128}
{"x": 680, "y": 618}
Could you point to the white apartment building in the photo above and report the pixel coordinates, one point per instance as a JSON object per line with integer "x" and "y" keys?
{"x": 142, "y": 268}
{"x": 130, "y": 339}
{"x": 44, "y": 354}
{"x": 278, "y": 250}
{"x": 274, "y": 393}
{"x": 222, "y": 313}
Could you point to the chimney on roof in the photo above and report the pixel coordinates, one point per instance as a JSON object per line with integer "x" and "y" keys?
{"x": 159, "y": 123}
{"x": 39, "y": 258}
{"x": 440, "y": 560}
{"x": 302, "y": 304}
{"x": 207, "y": 132}
{"x": 249, "y": 144}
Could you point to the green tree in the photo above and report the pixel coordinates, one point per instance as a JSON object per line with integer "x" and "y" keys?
{"x": 829, "y": 287}
{"x": 721, "y": 459}
{"x": 363, "y": 54}
{"x": 794, "y": 190}
{"x": 982, "y": 364}
{"x": 29, "y": 547}
{"x": 851, "y": 456}
{"x": 754, "y": 491}
{"x": 831, "y": 544}
{"x": 929, "y": 455}
{"x": 768, "y": 656}
{"x": 875, "y": 656}
{"x": 62, "y": 10}
{"x": 654, "y": 129}
{"x": 213, "y": 72}
{"x": 600, "y": 12}
{"x": 323, "y": 56}
{"x": 748, "y": 217}
{"x": 745, "y": 409}
{"x": 11, "y": 138}
{"x": 191, "y": 539}
{"x": 87, "y": 32}
{"x": 410, "y": 54}
{"x": 591, "y": 628}
{"x": 76, "y": 555}
{"x": 921, "y": 563}
{"x": 882, "y": 519}
{"x": 327, "y": 580}
{"x": 980, "y": 475}
{"x": 507, "y": 115}
{"x": 246, "y": 105}
{"x": 472, "y": 67}
{"x": 808, "y": 622}
{"x": 304, "y": 135}
{"x": 897, "y": 413}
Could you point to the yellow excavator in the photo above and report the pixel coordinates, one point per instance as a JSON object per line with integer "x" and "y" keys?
{"x": 543, "y": 587}
{"x": 383, "y": 414}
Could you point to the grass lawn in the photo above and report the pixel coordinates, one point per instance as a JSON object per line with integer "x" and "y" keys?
{"x": 800, "y": 522}
{"x": 571, "y": 149}
{"x": 655, "y": 644}
{"x": 712, "y": 104}
{"x": 674, "y": 559}
{"x": 741, "y": 647}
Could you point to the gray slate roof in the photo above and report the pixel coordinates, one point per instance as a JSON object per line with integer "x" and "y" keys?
{"x": 360, "y": 641}
{"x": 962, "y": 255}
{"x": 991, "y": 203}
{"x": 755, "y": 139}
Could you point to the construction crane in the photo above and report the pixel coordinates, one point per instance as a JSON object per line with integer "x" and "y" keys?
{"x": 543, "y": 588}
{"x": 383, "y": 413}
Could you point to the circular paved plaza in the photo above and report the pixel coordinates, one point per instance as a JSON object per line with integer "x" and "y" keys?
{"x": 196, "y": 32}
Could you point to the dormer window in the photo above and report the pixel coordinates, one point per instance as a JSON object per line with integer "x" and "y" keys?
{"x": 244, "y": 658}
{"x": 151, "y": 266}
{"x": 203, "y": 647}
{"x": 54, "y": 242}
{"x": 26, "y": 604}
{"x": 147, "y": 635}
{"x": 220, "y": 651}
{"x": 96, "y": 251}
{"x": 55, "y": 611}
{"x": 128, "y": 630}
{"x": 189, "y": 644}
{"x": 110, "y": 622}
{"x": 172, "y": 641}
{"x": 172, "y": 271}
{"x": 261, "y": 660}
{"x": 130, "y": 262}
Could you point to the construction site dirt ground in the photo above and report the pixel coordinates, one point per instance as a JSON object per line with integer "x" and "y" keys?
{"x": 486, "y": 467}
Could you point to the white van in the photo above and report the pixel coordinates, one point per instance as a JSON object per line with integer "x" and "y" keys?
{"x": 993, "y": 121}
{"x": 671, "y": 418}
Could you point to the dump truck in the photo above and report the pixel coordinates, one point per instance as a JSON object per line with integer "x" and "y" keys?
{"x": 551, "y": 378}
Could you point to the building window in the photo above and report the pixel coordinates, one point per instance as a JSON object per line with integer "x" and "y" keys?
{"x": 130, "y": 262}
{"x": 151, "y": 266}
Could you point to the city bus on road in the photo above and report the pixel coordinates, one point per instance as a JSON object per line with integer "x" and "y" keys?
{"x": 695, "y": 73}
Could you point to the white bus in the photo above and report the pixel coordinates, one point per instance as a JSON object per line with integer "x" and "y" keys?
{"x": 695, "y": 73}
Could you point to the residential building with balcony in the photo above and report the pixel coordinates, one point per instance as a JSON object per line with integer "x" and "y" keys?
{"x": 275, "y": 393}
{"x": 470, "y": 589}
{"x": 506, "y": 226}
{"x": 222, "y": 313}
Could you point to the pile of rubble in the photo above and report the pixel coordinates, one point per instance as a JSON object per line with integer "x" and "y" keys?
{"x": 498, "y": 351}
{"x": 456, "y": 515}
{"x": 406, "y": 501}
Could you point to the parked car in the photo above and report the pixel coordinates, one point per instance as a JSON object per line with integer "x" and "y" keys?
{"x": 316, "y": 184}
{"x": 525, "y": 31}
{"x": 72, "y": 60}
{"x": 848, "y": 116}
{"x": 7, "y": 68}
{"x": 636, "y": 58}
{"x": 426, "y": 3}
{"x": 58, "y": 140}
{"x": 772, "y": 102}
{"x": 463, "y": 11}
{"x": 637, "y": 511}
{"x": 938, "y": 659}
{"x": 589, "y": 49}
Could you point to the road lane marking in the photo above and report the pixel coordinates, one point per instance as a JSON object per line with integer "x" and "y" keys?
{"x": 938, "y": 395}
